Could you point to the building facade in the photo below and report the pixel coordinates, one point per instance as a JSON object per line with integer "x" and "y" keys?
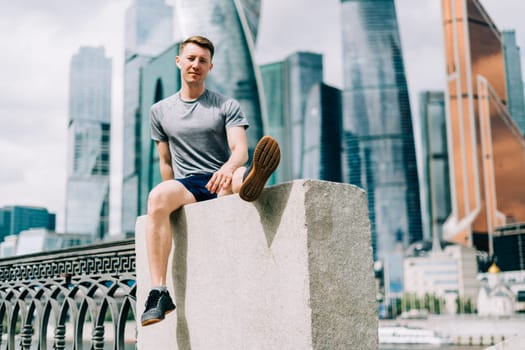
{"x": 160, "y": 78}
{"x": 516, "y": 97}
{"x": 149, "y": 28}
{"x": 149, "y": 31}
{"x": 89, "y": 132}
{"x": 509, "y": 247}
{"x": 14, "y": 219}
{"x": 41, "y": 240}
{"x": 486, "y": 149}
{"x": 287, "y": 87}
{"x": 452, "y": 270}
{"x": 515, "y": 280}
{"x": 379, "y": 150}
{"x": 322, "y": 135}
{"x": 275, "y": 86}
{"x": 435, "y": 181}
{"x": 501, "y": 293}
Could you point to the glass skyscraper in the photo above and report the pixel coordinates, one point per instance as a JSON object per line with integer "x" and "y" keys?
{"x": 322, "y": 134}
{"x": 509, "y": 248}
{"x": 89, "y": 131}
{"x": 232, "y": 26}
{"x": 160, "y": 78}
{"x": 149, "y": 31}
{"x": 149, "y": 27}
{"x": 275, "y": 83}
{"x": 516, "y": 99}
{"x": 304, "y": 70}
{"x": 287, "y": 85}
{"x": 378, "y": 137}
{"x": 435, "y": 181}
{"x": 486, "y": 149}
{"x": 14, "y": 219}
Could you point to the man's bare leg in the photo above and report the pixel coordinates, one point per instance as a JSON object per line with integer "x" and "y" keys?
{"x": 165, "y": 198}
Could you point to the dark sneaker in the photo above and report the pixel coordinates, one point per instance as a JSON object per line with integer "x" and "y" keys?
{"x": 158, "y": 305}
{"x": 265, "y": 160}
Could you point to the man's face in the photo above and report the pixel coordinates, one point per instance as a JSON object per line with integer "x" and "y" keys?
{"x": 195, "y": 63}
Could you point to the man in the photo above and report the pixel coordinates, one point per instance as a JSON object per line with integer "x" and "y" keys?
{"x": 202, "y": 145}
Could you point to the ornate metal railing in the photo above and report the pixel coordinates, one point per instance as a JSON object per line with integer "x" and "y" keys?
{"x": 79, "y": 298}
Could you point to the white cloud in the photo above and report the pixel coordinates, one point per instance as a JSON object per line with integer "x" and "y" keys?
{"x": 34, "y": 92}
{"x": 290, "y": 26}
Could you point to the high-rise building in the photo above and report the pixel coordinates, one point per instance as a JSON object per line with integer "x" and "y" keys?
{"x": 509, "y": 247}
{"x": 378, "y": 137}
{"x": 434, "y": 176}
{"x": 160, "y": 78}
{"x": 287, "y": 86}
{"x": 232, "y": 27}
{"x": 89, "y": 129}
{"x": 149, "y": 28}
{"x": 275, "y": 86}
{"x": 516, "y": 98}
{"x": 14, "y": 219}
{"x": 149, "y": 31}
{"x": 486, "y": 149}
{"x": 322, "y": 134}
{"x": 304, "y": 70}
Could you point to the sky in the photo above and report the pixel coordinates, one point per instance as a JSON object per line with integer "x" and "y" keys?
{"x": 38, "y": 39}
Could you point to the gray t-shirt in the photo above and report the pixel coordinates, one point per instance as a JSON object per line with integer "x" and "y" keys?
{"x": 196, "y": 130}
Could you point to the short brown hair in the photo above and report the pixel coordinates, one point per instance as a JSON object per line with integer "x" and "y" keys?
{"x": 200, "y": 41}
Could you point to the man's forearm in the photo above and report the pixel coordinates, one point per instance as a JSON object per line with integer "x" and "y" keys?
{"x": 166, "y": 172}
{"x": 237, "y": 159}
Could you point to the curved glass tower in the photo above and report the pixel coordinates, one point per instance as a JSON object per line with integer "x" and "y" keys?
{"x": 149, "y": 31}
{"x": 434, "y": 177}
{"x": 515, "y": 93}
{"x": 89, "y": 129}
{"x": 321, "y": 149}
{"x": 232, "y": 26}
{"x": 486, "y": 149}
{"x": 378, "y": 136}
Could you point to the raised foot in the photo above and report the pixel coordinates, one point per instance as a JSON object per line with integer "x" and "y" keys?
{"x": 266, "y": 158}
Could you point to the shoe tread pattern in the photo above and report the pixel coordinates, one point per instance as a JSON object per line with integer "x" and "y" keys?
{"x": 266, "y": 158}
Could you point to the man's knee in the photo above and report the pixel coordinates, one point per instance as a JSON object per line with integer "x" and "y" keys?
{"x": 167, "y": 197}
{"x": 156, "y": 200}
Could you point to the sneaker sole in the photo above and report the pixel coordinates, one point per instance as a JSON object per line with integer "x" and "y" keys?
{"x": 155, "y": 320}
{"x": 266, "y": 158}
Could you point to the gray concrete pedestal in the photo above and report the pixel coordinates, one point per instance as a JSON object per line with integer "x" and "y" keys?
{"x": 292, "y": 270}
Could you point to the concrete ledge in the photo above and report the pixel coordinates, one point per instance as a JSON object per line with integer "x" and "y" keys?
{"x": 292, "y": 270}
{"x": 515, "y": 343}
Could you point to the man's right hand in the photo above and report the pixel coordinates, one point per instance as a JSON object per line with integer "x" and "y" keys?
{"x": 221, "y": 179}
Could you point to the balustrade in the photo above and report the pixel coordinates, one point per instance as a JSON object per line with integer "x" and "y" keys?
{"x": 78, "y": 298}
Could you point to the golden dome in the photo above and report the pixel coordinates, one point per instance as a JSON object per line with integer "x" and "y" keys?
{"x": 494, "y": 268}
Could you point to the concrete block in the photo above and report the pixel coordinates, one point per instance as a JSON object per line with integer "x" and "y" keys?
{"x": 292, "y": 270}
{"x": 515, "y": 343}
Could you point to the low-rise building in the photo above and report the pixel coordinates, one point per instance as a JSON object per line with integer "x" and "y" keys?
{"x": 37, "y": 240}
{"x": 496, "y": 283}
{"x": 449, "y": 273}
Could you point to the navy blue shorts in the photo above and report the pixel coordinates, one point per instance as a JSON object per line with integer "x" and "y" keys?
{"x": 196, "y": 185}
